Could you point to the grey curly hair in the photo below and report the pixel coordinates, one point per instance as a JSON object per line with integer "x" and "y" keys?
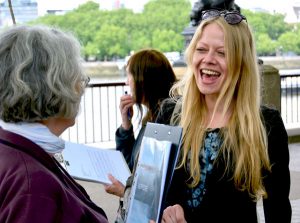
{"x": 40, "y": 73}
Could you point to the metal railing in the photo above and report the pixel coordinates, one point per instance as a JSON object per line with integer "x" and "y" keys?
{"x": 99, "y": 116}
{"x": 290, "y": 99}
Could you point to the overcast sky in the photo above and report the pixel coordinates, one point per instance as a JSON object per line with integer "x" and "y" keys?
{"x": 282, "y": 6}
{"x": 278, "y": 5}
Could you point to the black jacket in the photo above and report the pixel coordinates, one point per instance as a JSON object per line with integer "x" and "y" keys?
{"x": 128, "y": 145}
{"x": 222, "y": 202}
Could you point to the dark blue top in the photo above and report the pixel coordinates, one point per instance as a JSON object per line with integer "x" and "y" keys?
{"x": 128, "y": 145}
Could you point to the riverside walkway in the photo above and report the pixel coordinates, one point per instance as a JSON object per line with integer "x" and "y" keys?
{"x": 110, "y": 203}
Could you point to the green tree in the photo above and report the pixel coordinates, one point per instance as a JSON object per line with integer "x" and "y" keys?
{"x": 167, "y": 40}
{"x": 167, "y": 14}
{"x": 138, "y": 40}
{"x": 289, "y": 42}
{"x": 91, "y": 49}
{"x": 267, "y": 30}
{"x": 265, "y": 45}
{"x": 263, "y": 22}
{"x": 115, "y": 33}
{"x": 111, "y": 41}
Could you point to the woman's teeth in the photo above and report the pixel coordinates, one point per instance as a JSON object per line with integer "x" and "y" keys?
{"x": 209, "y": 72}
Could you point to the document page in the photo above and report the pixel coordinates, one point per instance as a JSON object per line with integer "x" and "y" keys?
{"x": 94, "y": 164}
{"x": 149, "y": 180}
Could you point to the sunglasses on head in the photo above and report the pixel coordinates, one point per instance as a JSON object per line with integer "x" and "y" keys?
{"x": 231, "y": 17}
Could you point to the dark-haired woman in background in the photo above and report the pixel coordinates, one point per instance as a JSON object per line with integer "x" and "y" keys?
{"x": 150, "y": 77}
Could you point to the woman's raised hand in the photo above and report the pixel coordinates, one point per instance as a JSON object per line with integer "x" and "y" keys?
{"x": 126, "y": 103}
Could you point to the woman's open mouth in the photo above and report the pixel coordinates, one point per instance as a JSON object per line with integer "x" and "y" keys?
{"x": 209, "y": 73}
{"x": 209, "y": 76}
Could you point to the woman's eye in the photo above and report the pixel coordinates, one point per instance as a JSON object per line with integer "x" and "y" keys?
{"x": 201, "y": 49}
{"x": 221, "y": 53}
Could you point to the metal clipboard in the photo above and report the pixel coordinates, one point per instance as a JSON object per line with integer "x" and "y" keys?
{"x": 140, "y": 207}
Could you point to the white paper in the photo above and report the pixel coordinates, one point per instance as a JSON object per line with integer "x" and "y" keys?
{"x": 149, "y": 180}
{"x": 94, "y": 164}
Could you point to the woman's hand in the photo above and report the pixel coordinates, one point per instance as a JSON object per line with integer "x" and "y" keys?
{"x": 116, "y": 188}
{"x": 126, "y": 103}
{"x": 173, "y": 214}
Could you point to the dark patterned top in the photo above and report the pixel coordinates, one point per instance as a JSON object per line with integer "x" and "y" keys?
{"x": 207, "y": 155}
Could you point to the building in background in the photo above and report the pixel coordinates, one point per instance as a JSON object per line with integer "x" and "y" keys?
{"x": 24, "y": 11}
{"x": 58, "y": 7}
{"x": 296, "y": 8}
{"x": 289, "y": 8}
{"x": 136, "y": 6}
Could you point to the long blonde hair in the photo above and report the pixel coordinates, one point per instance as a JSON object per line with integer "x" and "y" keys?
{"x": 244, "y": 147}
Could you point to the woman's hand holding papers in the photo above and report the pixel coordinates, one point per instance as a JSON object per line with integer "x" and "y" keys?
{"x": 115, "y": 188}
